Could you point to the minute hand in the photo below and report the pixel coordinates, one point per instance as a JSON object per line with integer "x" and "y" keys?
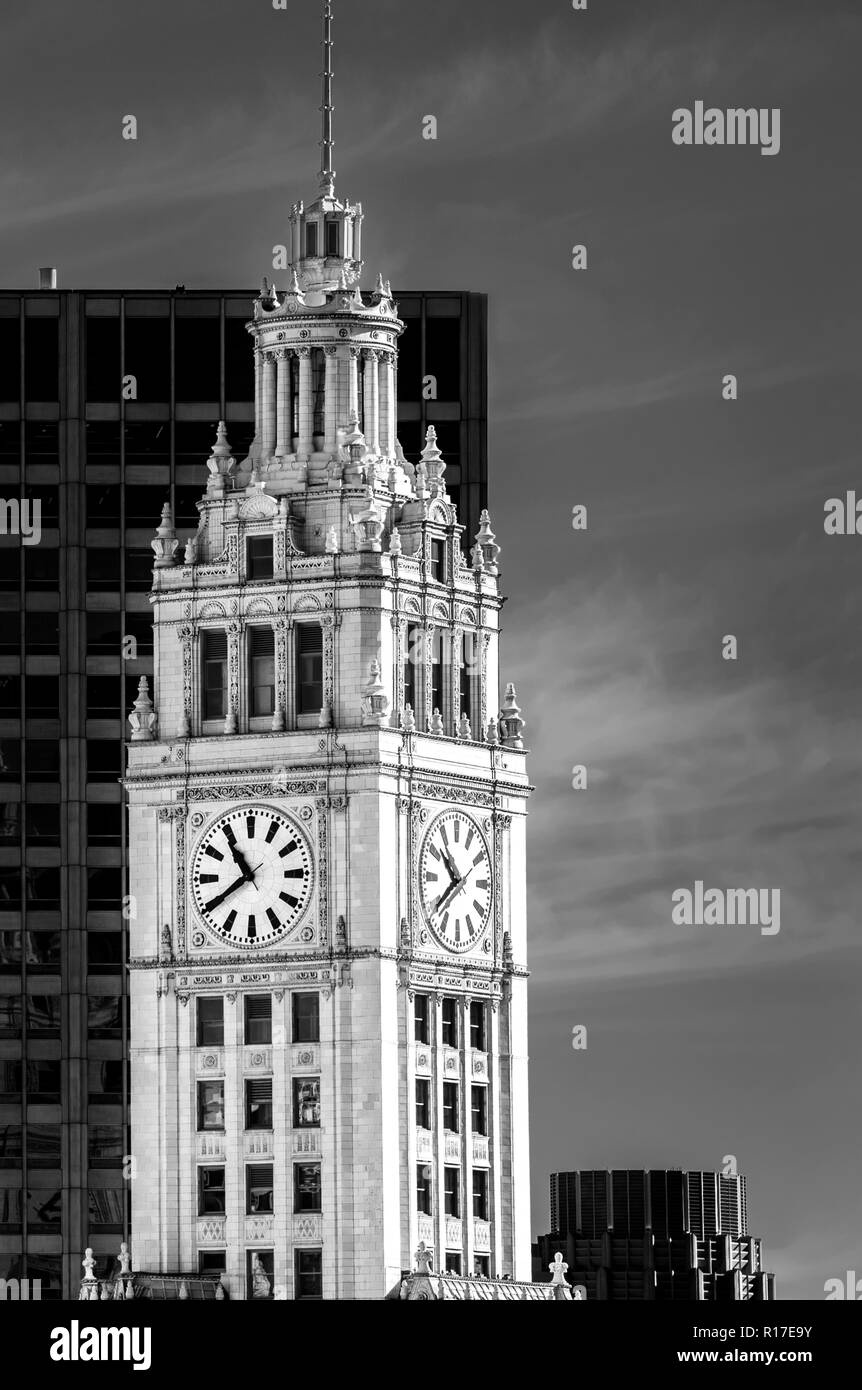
{"x": 215, "y": 902}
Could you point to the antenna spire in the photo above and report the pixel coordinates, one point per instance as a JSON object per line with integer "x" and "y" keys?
{"x": 327, "y": 173}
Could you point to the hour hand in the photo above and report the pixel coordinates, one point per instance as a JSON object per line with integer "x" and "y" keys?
{"x": 215, "y": 902}
{"x": 241, "y": 862}
{"x": 450, "y": 865}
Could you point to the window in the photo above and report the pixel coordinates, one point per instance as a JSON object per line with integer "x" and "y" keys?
{"x": 259, "y": 557}
{"x": 261, "y": 656}
{"x": 105, "y": 889}
{"x": 41, "y": 569}
{"x": 42, "y": 634}
{"x": 211, "y": 1195}
{"x": 306, "y": 1187}
{"x": 258, "y": 1018}
{"x": 104, "y": 759}
{"x": 104, "y": 382}
{"x": 212, "y": 1261}
{"x": 410, "y": 660}
{"x": 482, "y": 1266}
{"x": 43, "y": 760}
{"x": 210, "y": 1105}
{"x": 258, "y": 1188}
{"x": 106, "y": 1144}
{"x": 10, "y": 1145}
{"x": 309, "y": 1274}
{"x": 41, "y": 359}
{"x": 332, "y": 237}
{"x": 11, "y": 1013}
{"x": 104, "y": 1016}
{"x": 478, "y": 1021}
{"x": 210, "y": 1022}
{"x": 43, "y": 1080}
{"x": 197, "y": 358}
{"x": 306, "y": 1018}
{"x": 443, "y": 351}
{"x": 436, "y": 670}
{"x": 11, "y": 1073}
{"x": 43, "y": 1014}
{"x": 438, "y": 555}
{"x": 258, "y": 1104}
{"x": 453, "y": 1262}
{"x": 43, "y": 697}
{"x": 309, "y": 668}
{"x": 467, "y": 682}
{"x": 104, "y": 635}
{"x": 139, "y": 571}
{"x": 480, "y": 1193}
{"x": 452, "y": 1191}
{"x": 148, "y": 353}
{"x": 42, "y": 823}
{"x": 479, "y": 1109}
{"x": 311, "y": 239}
{"x": 449, "y": 1022}
{"x": 420, "y": 1018}
{"x": 43, "y": 951}
{"x": 260, "y": 1270}
{"x": 103, "y": 504}
{"x": 238, "y": 361}
{"x": 144, "y": 502}
{"x": 105, "y": 819}
{"x": 306, "y": 1102}
{"x": 214, "y": 650}
{"x": 423, "y": 1189}
{"x": 10, "y": 695}
{"x": 423, "y": 1103}
{"x": 105, "y": 1081}
{"x": 10, "y": 357}
{"x": 450, "y": 1107}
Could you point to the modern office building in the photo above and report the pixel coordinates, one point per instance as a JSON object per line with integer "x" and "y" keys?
{"x": 661, "y": 1234}
{"x": 109, "y": 402}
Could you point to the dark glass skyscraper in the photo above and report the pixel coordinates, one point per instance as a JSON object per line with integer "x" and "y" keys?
{"x": 109, "y": 402}
{"x": 661, "y": 1234}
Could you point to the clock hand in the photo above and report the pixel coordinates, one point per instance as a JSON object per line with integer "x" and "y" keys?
{"x": 252, "y": 877}
{"x": 216, "y": 902}
{"x": 450, "y": 865}
{"x": 240, "y": 861}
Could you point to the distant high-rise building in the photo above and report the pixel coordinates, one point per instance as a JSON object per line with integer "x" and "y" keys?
{"x": 662, "y": 1234}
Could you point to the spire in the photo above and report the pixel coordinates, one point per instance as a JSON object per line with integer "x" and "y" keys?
{"x": 327, "y": 173}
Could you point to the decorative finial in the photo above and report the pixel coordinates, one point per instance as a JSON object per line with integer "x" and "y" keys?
{"x": 408, "y": 720}
{"x": 165, "y": 543}
{"x": 375, "y": 701}
{"x": 143, "y": 718}
{"x": 327, "y": 144}
{"x": 487, "y": 540}
{"x": 464, "y": 730}
{"x": 435, "y": 725}
{"x": 395, "y": 542}
{"x": 432, "y": 459}
{"x": 511, "y": 723}
{"x": 220, "y": 462}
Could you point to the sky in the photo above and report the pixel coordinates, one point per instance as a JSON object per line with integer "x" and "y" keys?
{"x": 705, "y": 516}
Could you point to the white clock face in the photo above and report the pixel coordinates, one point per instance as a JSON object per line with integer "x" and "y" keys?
{"x": 455, "y": 881}
{"x": 252, "y": 876}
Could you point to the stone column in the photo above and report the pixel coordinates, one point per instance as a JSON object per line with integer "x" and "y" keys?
{"x": 353, "y": 382}
{"x": 387, "y": 404}
{"x": 306, "y": 405}
{"x": 258, "y": 393}
{"x": 284, "y": 442}
{"x": 330, "y": 408}
{"x": 267, "y": 432}
{"x": 371, "y": 424}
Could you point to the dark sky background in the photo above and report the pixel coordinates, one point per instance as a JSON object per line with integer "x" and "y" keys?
{"x": 705, "y": 517}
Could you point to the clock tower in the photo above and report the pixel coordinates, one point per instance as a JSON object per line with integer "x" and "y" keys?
{"x": 327, "y": 803}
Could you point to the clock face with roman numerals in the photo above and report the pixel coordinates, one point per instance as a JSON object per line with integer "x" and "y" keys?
{"x": 252, "y": 876}
{"x": 455, "y": 881}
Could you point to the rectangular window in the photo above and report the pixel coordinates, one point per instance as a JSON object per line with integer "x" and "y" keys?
{"x": 410, "y": 661}
{"x": 450, "y": 1107}
{"x": 309, "y": 668}
{"x": 306, "y": 1102}
{"x": 105, "y": 952}
{"x": 309, "y": 1274}
{"x": 420, "y": 1018}
{"x": 311, "y": 239}
{"x": 261, "y": 657}
{"x": 453, "y": 1262}
{"x": 423, "y": 1103}
{"x": 210, "y": 1105}
{"x": 452, "y": 1191}
{"x": 479, "y": 1109}
{"x": 258, "y": 1104}
{"x": 332, "y": 238}
{"x": 259, "y": 557}
{"x": 478, "y": 1023}
{"x": 104, "y": 1016}
{"x": 306, "y": 1187}
{"x": 306, "y": 1018}
{"x": 468, "y": 682}
{"x": 480, "y": 1193}
{"x": 211, "y": 1198}
{"x": 449, "y": 1021}
{"x": 436, "y": 670}
{"x": 210, "y": 1022}
{"x": 260, "y": 1272}
{"x": 423, "y": 1189}
{"x": 212, "y": 1261}
{"x": 258, "y": 1018}
{"x": 42, "y": 359}
{"x": 438, "y": 555}
{"x": 482, "y": 1266}
{"x": 258, "y": 1188}
{"x": 214, "y": 651}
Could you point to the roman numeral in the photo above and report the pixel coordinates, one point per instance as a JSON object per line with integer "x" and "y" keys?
{"x": 208, "y": 878}
{"x": 272, "y": 832}
{"x": 288, "y": 849}
{"x": 213, "y": 853}
{"x": 252, "y": 928}
{"x": 249, "y": 825}
{"x": 274, "y": 920}
{"x": 286, "y": 898}
{"x": 229, "y": 921}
